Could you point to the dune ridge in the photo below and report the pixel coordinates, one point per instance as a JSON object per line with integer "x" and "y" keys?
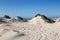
{"x": 38, "y": 28}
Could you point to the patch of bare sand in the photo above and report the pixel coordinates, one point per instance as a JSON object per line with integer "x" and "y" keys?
{"x": 35, "y": 29}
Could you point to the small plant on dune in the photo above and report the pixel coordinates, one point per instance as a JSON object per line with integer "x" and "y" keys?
{"x": 19, "y": 17}
{"x": 7, "y": 17}
{"x": 37, "y": 15}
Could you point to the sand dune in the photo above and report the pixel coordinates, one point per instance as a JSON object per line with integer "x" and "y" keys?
{"x": 37, "y": 28}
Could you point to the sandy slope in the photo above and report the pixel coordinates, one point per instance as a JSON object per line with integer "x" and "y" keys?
{"x": 35, "y": 29}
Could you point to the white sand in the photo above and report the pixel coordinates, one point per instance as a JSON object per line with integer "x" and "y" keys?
{"x": 35, "y": 29}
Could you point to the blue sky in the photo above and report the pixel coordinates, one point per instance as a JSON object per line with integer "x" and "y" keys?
{"x": 29, "y": 8}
